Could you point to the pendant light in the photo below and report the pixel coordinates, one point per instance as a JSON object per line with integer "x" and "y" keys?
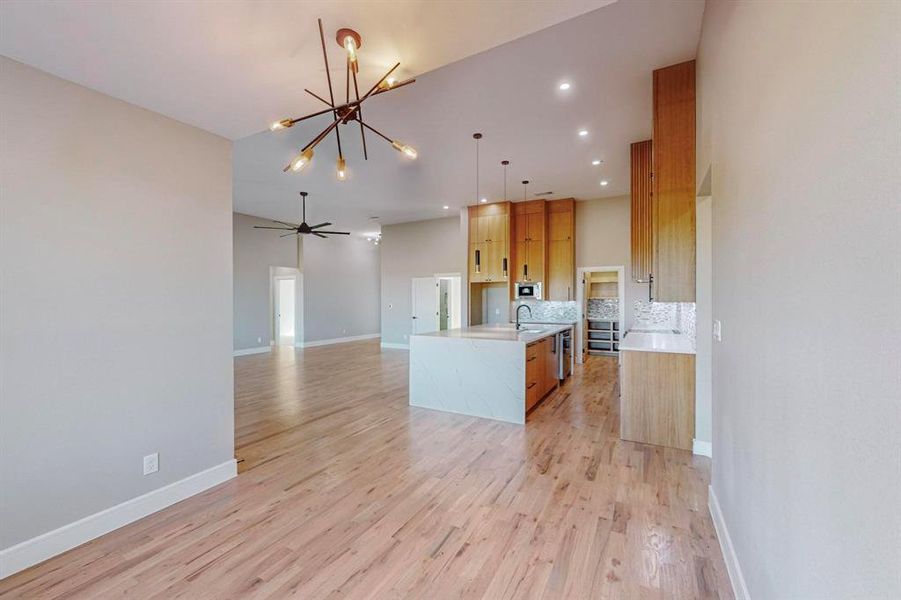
{"x": 504, "y": 163}
{"x": 525, "y": 265}
{"x": 478, "y": 254}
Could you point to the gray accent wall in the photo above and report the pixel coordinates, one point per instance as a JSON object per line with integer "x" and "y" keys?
{"x": 340, "y": 287}
{"x": 603, "y": 238}
{"x": 799, "y": 108}
{"x": 255, "y": 251}
{"x": 419, "y": 249}
{"x": 115, "y": 317}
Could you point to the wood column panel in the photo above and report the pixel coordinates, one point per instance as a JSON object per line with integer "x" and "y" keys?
{"x": 674, "y": 183}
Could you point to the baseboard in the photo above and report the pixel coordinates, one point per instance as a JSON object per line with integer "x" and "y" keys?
{"x": 739, "y": 587}
{"x": 702, "y": 448}
{"x": 47, "y": 545}
{"x": 395, "y": 346}
{"x": 342, "y": 340}
{"x": 246, "y": 351}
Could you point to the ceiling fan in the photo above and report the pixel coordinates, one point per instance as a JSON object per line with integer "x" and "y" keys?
{"x": 303, "y": 228}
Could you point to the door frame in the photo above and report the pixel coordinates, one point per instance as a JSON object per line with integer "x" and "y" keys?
{"x": 457, "y": 300}
{"x": 291, "y": 273}
{"x": 580, "y": 293}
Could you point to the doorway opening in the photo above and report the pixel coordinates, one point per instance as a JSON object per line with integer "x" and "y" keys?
{"x": 286, "y": 306}
{"x": 602, "y": 294}
{"x": 437, "y": 303}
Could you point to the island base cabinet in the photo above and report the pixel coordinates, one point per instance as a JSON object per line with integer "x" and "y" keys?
{"x": 541, "y": 370}
{"x": 657, "y": 398}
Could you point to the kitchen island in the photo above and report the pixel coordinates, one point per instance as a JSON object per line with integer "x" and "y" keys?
{"x": 491, "y": 371}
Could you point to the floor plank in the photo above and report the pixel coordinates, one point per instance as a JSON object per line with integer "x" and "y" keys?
{"x": 345, "y": 491}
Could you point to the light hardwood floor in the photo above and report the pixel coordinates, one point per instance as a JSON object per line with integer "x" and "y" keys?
{"x": 347, "y": 492}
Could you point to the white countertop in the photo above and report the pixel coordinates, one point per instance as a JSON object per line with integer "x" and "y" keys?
{"x": 530, "y": 332}
{"x": 641, "y": 341}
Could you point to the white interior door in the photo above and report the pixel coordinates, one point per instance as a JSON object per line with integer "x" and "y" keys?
{"x": 285, "y": 308}
{"x": 425, "y": 305}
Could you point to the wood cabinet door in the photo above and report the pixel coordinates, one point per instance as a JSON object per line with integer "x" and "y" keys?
{"x": 550, "y": 365}
{"x": 496, "y": 228}
{"x": 560, "y": 225}
{"x": 493, "y": 261}
{"x": 520, "y": 258}
{"x": 520, "y": 227}
{"x": 473, "y": 225}
{"x": 535, "y": 227}
{"x": 535, "y": 260}
{"x": 560, "y": 270}
{"x": 534, "y": 373}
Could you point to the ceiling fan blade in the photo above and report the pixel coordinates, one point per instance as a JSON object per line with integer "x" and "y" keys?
{"x": 287, "y": 234}
{"x": 318, "y": 234}
{"x": 333, "y": 232}
{"x": 291, "y": 225}
{"x": 280, "y": 228}
{"x": 320, "y": 225}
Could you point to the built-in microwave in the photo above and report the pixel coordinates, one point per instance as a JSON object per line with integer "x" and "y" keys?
{"x": 528, "y": 290}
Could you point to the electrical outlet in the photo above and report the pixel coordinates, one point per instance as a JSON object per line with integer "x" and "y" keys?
{"x": 717, "y": 330}
{"x": 343, "y": 331}
{"x": 497, "y": 311}
{"x": 259, "y": 340}
{"x": 390, "y": 306}
{"x": 151, "y": 463}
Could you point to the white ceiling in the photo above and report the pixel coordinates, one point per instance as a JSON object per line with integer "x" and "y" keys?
{"x": 233, "y": 66}
{"x": 235, "y": 69}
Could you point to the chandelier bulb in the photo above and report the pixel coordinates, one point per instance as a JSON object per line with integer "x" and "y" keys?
{"x": 407, "y": 150}
{"x": 342, "y": 169}
{"x": 302, "y": 160}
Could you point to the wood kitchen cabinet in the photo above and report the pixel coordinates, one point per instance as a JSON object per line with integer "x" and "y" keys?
{"x": 673, "y": 213}
{"x": 561, "y": 249}
{"x": 529, "y": 249}
{"x": 489, "y": 247}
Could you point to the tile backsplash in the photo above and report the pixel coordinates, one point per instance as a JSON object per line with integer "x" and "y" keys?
{"x": 664, "y": 316}
{"x": 603, "y": 309}
{"x": 547, "y": 311}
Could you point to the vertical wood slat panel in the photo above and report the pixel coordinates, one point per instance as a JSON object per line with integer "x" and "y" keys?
{"x": 642, "y": 210}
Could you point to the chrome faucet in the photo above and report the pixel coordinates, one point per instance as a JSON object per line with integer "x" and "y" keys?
{"x": 525, "y": 306}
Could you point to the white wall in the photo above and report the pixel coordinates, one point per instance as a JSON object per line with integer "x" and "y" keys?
{"x": 419, "y": 249}
{"x": 704, "y": 321}
{"x": 341, "y": 287}
{"x": 604, "y": 238}
{"x": 255, "y": 252}
{"x": 115, "y": 262}
{"x": 800, "y": 125}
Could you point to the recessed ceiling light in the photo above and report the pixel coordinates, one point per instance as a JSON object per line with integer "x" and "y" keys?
{"x": 483, "y": 200}
{"x": 445, "y": 207}
{"x": 564, "y": 86}
{"x": 583, "y": 132}
{"x": 595, "y": 162}
{"x": 604, "y": 182}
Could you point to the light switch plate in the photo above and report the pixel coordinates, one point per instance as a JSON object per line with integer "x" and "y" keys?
{"x": 717, "y": 330}
{"x": 151, "y": 463}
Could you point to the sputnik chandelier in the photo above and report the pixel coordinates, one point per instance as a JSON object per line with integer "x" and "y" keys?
{"x": 350, "y": 110}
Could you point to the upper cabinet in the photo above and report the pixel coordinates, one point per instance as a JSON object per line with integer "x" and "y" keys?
{"x": 673, "y": 213}
{"x": 529, "y": 248}
{"x": 489, "y": 247}
{"x": 561, "y": 250}
{"x": 642, "y": 220}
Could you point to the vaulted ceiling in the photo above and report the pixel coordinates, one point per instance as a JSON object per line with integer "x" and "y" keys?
{"x": 493, "y": 67}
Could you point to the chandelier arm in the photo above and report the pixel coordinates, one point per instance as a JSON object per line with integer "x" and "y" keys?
{"x": 331, "y": 93}
{"x": 318, "y": 97}
{"x": 394, "y": 87}
{"x": 379, "y": 82}
{"x": 376, "y": 131}
{"x": 360, "y": 117}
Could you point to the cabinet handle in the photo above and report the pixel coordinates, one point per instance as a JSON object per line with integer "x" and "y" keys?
{"x": 531, "y": 385}
{"x": 650, "y": 286}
